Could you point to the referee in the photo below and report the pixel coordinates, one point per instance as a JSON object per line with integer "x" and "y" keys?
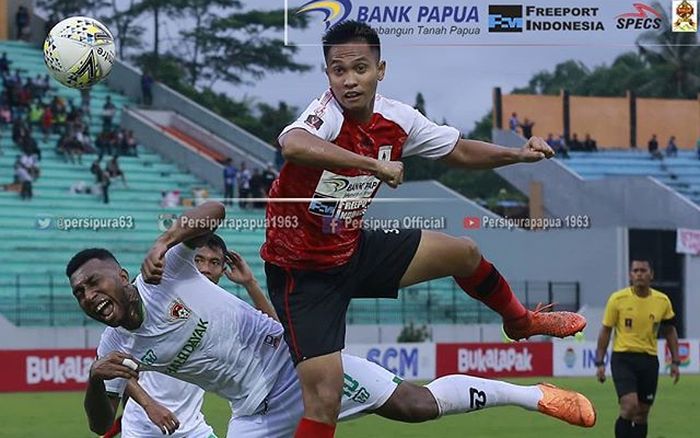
{"x": 636, "y": 313}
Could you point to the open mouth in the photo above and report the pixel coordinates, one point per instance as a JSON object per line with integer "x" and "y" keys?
{"x": 104, "y": 308}
{"x": 352, "y": 95}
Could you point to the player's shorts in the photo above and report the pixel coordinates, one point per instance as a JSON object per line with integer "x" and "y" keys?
{"x": 312, "y": 304}
{"x": 635, "y": 372}
{"x": 367, "y": 387}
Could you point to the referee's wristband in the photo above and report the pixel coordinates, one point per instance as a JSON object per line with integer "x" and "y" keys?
{"x": 676, "y": 363}
{"x": 599, "y": 363}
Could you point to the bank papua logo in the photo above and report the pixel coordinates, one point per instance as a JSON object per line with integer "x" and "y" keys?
{"x": 684, "y": 354}
{"x": 644, "y": 17}
{"x": 335, "y": 10}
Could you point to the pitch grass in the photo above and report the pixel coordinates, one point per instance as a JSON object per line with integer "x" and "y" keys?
{"x": 674, "y": 415}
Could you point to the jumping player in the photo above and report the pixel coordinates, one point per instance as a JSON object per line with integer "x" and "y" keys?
{"x": 337, "y": 154}
{"x": 184, "y": 325}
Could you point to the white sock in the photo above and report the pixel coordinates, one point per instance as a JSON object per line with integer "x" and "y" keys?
{"x": 457, "y": 394}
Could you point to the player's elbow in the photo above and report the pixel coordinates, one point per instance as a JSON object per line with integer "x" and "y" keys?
{"x": 99, "y": 427}
{"x": 292, "y": 145}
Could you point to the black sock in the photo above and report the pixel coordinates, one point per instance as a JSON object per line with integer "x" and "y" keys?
{"x": 639, "y": 430}
{"x": 623, "y": 428}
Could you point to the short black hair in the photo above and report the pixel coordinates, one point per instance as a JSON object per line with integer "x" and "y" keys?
{"x": 351, "y": 31}
{"x": 86, "y": 255}
{"x": 642, "y": 259}
{"x": 215, "y": 242}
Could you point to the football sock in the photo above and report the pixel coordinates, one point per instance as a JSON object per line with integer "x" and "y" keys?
{"x": 487, "y": 285}
{"x": 457, "y": 394}
{"x": 623, "y": 428}
{"x": 314, "y": 429}
{"x": 639, "y": 430}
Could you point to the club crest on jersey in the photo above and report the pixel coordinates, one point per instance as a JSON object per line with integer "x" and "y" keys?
{"x": 314, "y": 121}
{"x": 177, "y": 310}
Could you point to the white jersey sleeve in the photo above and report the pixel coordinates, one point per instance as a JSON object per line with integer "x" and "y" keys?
{"x": 428, "y": 139}
{"x": 322, "y": 118}
{"x": 111, "y": 341}
{"x": 179, "y": 262}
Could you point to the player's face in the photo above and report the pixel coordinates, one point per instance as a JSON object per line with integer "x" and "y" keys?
{"x": 210, "y": 262}
{"x": 353, "y": 72}
{"x": 99, "y": 286}
{"x": 641, "y": 274}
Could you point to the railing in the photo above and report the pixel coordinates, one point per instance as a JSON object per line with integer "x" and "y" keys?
{"x": 26, "y": 301}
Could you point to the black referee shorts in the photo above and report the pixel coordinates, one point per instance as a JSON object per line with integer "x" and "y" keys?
{"x": 312, "y": 304}
{"x": 635, "y": 372}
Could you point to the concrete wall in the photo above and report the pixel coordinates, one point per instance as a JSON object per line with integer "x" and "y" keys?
{"x": 608, "y": 119}
{"x": 667, "y": 117}
{"x": 634, "y": 202}
{"x": 546, "y": 111}
{"x": 605, "y": 118}
{"x": 692, "y": 296}
{"x": 172, "y": 148}
{"x": 127, "y": 79}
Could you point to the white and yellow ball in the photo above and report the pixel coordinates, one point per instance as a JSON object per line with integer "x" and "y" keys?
{"x": 79, "y": 52}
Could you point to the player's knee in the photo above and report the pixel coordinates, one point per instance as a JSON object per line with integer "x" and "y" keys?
{"x": 417, "y": 406}
{"x": 641, "y": 415}
{"x": 471, "y": 250}
{"x": 628, "y": 408}
{"x": 323, "y": 399}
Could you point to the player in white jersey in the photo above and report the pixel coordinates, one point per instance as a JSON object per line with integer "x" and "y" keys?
{"x": 188, "y": 327}
{"x": 168, "y": 398}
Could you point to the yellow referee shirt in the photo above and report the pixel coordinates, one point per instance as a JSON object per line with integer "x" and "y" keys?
{"x": 636, "y": 320}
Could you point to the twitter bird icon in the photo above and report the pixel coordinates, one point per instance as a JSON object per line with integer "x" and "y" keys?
{"x": 43, "y": 222}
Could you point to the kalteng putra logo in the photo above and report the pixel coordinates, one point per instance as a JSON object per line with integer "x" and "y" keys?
{"x": 335, "y": 10}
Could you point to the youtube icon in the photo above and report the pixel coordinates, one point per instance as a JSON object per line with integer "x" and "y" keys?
{"x": 472, "y": 223}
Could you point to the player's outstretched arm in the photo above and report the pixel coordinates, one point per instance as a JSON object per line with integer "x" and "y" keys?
{"x": 100, "y": 407}
{"x": 192, "y": 228}
{"x": 474, "y": 154}
{"x": 671, "y": 336}
{"x": 238, "y": 271}
{"x": 603, "y": 341}
{"x": 301, "y": 147}
{"x": 166, "y": 421}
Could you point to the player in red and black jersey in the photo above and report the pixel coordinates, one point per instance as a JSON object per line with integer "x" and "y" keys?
{"x": 337, "y": 154}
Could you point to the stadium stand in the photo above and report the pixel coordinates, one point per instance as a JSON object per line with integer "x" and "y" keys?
{"x": 681, "y": 173}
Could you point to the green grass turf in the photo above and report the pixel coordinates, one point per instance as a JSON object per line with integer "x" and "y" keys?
{"x": 674, "y": 415}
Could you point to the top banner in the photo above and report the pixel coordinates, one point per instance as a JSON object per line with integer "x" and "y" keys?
{"x": 493, "y": 23}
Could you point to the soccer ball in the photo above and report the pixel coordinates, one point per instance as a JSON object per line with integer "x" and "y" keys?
{"x": 79, "y": 52}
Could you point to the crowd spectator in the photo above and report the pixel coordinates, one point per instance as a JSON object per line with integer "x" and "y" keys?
{"x": 96, "y": 169}
{"x": 24, "y": 178}
{"x": 46, "y": 121}
{"x": 513, "y": 122}
{"x": 85, "y": 102}
{"x": 244, "y": 177}
{"x": 589, "y": 145}
{"x": 268, "y": 175}
{"x": 22, "y": 23}
{"x": 114, "y": 171}
{"x": 108, "y": 112}
{"x": 129, "y": 144}
{"x": 147, "y": 88}
{"x": 4, "y": 64}
{"x": 560, "y": 147}
{"x": 575, "y": 144}
{"x": 104, "y": 182}
{"x": 30, "y": 164}
{"x": 230, "y": 172}
{"x": 256, "y": 188}
{"x": 526, "y": 127}
{"x": 672, "y": 148}
{"x": 653, "y": 147}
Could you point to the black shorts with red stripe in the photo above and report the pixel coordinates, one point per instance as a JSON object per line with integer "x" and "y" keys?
{"x": 312, "y": 304}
